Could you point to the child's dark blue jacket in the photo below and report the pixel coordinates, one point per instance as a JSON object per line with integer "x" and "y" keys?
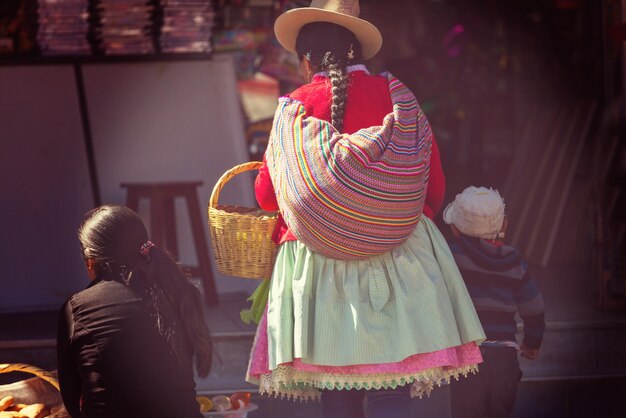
{"x": 500, "y": 285}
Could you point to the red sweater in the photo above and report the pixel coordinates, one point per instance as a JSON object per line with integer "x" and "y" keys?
{"x": 367, "y": 105}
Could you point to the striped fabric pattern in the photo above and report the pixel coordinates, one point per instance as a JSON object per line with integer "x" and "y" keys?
{"x": 501, "y": 286}
{"x": 351, "y": 196}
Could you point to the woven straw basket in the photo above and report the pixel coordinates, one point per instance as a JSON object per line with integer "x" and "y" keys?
{"x": 27, "y": 368}
{"x": 43, "y": 388}
{"x": 241, "y": 237}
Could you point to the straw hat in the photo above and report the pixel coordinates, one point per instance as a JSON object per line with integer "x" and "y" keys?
{"x": 476, "y": 212}
{"x": 341, "y": 12}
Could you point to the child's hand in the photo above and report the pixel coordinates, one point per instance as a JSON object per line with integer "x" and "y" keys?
{"x": 529, "y": 353}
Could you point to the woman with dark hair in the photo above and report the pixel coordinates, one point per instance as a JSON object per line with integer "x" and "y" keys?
{"x": 127, "y": 344}
{"x": 365, "y": 300}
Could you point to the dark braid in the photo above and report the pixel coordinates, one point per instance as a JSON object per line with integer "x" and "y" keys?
{"x": 339, "y": 82}
{"x": 331, "y": 48}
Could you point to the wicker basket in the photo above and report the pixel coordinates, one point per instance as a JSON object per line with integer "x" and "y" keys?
{"x": 27, "y": 368}
{"x": 43, "y": 388}
{"x": 241, "y": 237}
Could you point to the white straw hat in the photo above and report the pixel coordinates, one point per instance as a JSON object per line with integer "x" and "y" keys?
{"x": 341, "y": 12}
{"x": 476, "y": 212}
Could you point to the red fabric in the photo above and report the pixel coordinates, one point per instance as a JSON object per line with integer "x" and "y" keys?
{"x": 367, "y": 105}
{"x": 436, "y": 191}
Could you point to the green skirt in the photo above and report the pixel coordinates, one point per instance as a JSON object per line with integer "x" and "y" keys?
{"x": 378, "y": 310}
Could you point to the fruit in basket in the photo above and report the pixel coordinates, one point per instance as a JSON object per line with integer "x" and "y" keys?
{"x": 240, "y": 400}
{"x": 6, "y": 402}
{"x": 205, "y": 403}
{"x": 221, "y": 403}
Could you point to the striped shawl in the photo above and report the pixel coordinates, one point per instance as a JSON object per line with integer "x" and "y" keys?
{"x": 351, "y": 196}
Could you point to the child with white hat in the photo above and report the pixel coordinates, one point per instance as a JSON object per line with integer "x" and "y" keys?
{"x": 365, "y": 300}
{"x": 501, "y": 286}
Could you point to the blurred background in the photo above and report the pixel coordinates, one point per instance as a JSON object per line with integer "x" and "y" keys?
{"x": 525, "y": 96}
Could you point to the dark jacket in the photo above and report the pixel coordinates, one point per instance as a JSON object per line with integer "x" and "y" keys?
{"x": 501, "y": 286}
{"x": 111, "y": 355}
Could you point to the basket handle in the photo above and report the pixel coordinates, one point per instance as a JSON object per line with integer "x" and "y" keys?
{"x": 238, "y": 169}
{"x": 27, "y": 368}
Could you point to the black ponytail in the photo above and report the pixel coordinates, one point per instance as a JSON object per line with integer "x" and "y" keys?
{"x": 112, "y": 236}
{"x": 331, "y": 48}
{"x": 176, "y": 305}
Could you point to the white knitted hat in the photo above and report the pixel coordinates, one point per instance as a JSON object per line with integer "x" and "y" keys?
{"x": 476, "y": 212}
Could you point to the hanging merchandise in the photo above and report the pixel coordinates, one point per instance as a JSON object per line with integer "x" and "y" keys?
{"x": 242, "y": 44}
{"x": 18, "y": 26}
{"x": 125, "y": 27}
{"x": 187, "y": 26}
{"x": 279, "y": 63}
{"x": 63, "y": 27}
{"x": 276, "y": 61}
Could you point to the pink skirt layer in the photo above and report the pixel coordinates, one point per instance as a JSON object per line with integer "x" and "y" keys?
{"x": 452, "y": 357}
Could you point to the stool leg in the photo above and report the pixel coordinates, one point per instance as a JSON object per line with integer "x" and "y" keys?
{"x": 157, "y": 219}
{"x": 170, "y": 226}
{"x": 204, "y": 264}
{"x": 132, "y": 200}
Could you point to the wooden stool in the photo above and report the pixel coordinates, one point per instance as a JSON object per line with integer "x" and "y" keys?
{"x": 163, "y": 224}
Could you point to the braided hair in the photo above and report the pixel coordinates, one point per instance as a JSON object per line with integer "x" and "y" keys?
{"x": 331, "y": 48}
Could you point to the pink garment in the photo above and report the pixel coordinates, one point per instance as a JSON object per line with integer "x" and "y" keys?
{"x": 448, "y": 358}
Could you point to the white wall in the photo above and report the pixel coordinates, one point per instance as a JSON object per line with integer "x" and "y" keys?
{"x": 158, "y": 121}
{"x": 169, "y": 121}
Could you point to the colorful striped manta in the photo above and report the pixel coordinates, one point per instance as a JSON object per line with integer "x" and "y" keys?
{"x": 351, "y": 196}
